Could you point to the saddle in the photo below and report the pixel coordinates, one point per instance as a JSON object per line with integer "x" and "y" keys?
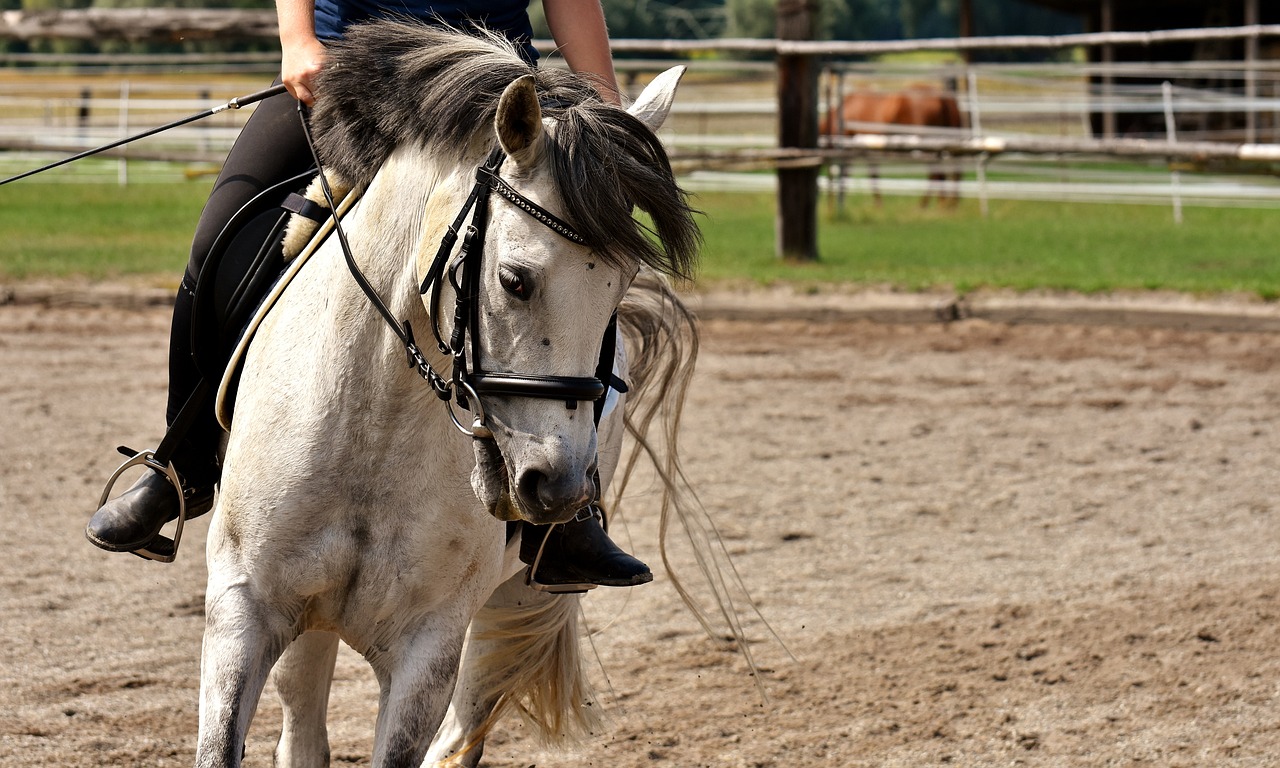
{"x": 243, "y": 263}
{"x": 255, "y": 257}
{"x": 248, "y": 257}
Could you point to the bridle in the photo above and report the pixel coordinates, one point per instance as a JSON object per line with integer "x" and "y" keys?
{"x": 468, "y": 382}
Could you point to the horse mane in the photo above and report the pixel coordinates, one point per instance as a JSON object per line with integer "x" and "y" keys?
{"x": 391, "y": 83}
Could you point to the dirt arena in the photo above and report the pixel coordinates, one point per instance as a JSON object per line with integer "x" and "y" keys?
{"x": 983, "y": 544}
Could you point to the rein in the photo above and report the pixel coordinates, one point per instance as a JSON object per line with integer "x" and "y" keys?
{"x": 465, "y": 385}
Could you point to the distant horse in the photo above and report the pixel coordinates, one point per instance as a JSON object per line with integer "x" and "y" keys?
{"x": 354, "y": 504}
{"x": 874, "y": 112}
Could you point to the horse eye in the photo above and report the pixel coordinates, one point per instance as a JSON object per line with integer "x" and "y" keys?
{"x": 514, "y": 284}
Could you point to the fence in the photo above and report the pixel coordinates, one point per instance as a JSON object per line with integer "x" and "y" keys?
{"x": 1028, "y": 133}
{"x": 1039, "y": 123}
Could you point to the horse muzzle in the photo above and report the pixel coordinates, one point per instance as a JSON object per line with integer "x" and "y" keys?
{"x": 537, "y": 492}
{"x": 553, "y": 498}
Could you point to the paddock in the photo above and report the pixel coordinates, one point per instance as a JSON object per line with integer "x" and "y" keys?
{"x": 984, "y": 543}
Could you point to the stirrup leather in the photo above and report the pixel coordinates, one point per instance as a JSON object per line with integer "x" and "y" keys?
{"x": 531, "y": 573}
{"x": 161, "y": 548}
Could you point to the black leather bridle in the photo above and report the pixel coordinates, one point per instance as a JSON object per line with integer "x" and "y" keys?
{"x": 468, "y": 382}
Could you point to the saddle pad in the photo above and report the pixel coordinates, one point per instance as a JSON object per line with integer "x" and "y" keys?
{"x": 225, "y": 403}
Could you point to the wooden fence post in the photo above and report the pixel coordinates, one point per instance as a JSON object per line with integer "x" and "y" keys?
{"x": 797, "y": 216}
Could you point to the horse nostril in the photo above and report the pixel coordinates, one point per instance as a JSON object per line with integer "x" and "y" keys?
{"x": 544, "y": 493}
{"x": 530, "y": 486}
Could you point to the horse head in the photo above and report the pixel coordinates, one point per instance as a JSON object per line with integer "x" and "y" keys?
{"x": 545, "y": 301}
{"x": 533, "y": 184}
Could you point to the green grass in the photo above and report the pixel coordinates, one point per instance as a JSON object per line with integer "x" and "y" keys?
{"x": 100, "y": 231}
{"x": 1021, "y": 245}
{"x": 97, "y": 231}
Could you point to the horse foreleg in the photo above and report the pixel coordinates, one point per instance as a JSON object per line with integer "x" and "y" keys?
{"x": 240, "y": 646}
{"x": 417, "y": 681}
{"x": 873, "y": 178}
{"x": 302, "y": 678}
{"x": 934, "y": 187}
{"x": 522, "y": 647}
{"x": 953, "y": 188}
{"x": 460, "y": 739}
{"x": 948, "y": 176}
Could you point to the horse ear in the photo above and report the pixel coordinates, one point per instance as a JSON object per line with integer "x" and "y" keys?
{"x": 519, "y": 120}
{"x": 654, "y": 102}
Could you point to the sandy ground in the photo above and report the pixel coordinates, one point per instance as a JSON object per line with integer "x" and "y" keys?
{"x": 984, "y": 544}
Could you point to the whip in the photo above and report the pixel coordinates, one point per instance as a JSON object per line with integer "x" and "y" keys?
{"x": 236, "y": 103}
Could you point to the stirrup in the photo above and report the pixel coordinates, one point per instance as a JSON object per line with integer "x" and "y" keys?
{"x": 530, "y": 573}
{"x": 161, "y": 548}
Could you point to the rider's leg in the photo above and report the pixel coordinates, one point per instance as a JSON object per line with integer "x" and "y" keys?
{"x": 270, "y": 148}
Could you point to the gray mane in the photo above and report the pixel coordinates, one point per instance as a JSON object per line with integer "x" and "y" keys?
{"x": 394, "y": 83}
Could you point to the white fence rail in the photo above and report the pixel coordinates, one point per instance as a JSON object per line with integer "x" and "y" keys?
{"x": 1035, "y": 122}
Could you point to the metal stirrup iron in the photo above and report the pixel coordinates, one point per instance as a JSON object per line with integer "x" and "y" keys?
{"x": 530, "y": 573}
{"x": 161, "y": 548}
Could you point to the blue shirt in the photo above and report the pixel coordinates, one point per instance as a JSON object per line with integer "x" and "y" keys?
{"x": 509, "y": 18}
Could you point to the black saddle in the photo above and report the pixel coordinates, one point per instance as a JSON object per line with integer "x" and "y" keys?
{"x": 244, "y": 263}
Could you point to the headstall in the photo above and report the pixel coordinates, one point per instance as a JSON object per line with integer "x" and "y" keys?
{"x": 468, "y": 381}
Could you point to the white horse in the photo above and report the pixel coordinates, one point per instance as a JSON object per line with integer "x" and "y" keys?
{"x": 351, "y": 505}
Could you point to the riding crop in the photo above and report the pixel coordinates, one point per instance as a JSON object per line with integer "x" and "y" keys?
{"x": 236, "y": 103}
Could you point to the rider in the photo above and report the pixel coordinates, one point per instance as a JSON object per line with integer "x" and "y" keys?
{"x": 272, "y": 148}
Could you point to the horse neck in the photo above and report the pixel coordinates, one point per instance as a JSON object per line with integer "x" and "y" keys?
{"x": 394, "y": 212}
{"x": 386, "y": 233}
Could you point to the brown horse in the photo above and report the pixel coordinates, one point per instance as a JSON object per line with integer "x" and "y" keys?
{"x": 920, "y": 106}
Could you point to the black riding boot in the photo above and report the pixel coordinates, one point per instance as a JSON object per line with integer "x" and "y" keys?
{"x": 133, "y": 519}
{"x": 578, "y": 555}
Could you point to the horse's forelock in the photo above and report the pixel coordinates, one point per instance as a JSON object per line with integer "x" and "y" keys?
{"x": 392, "y": 83}
{"x": 606, "y": 164}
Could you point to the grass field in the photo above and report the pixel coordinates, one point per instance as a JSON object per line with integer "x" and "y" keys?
{"x": 100, "y": 231}
{"x": 1021, "y": 245}
{"x": 97, "y": 231}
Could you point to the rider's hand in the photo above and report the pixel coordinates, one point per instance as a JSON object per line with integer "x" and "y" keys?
{"x": 300, "y": 62}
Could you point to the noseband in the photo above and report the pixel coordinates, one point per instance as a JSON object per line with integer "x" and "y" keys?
{"x": 468, "y": 382}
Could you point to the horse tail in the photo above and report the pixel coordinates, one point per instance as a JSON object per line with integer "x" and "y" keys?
{"x": 525, "y": 656}
{"x": 662, "y": 340}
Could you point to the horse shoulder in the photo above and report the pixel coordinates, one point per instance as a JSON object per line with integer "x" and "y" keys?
{"x": 894, "y": 109}
{"x": 859, "y": 107}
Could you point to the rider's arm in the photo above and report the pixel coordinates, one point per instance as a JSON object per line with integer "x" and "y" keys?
{"x": 580, "y": 33}
{"x": 302, "y": 53}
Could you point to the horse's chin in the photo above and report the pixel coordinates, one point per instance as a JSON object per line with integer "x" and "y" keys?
{"x": 491, "y": 483}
